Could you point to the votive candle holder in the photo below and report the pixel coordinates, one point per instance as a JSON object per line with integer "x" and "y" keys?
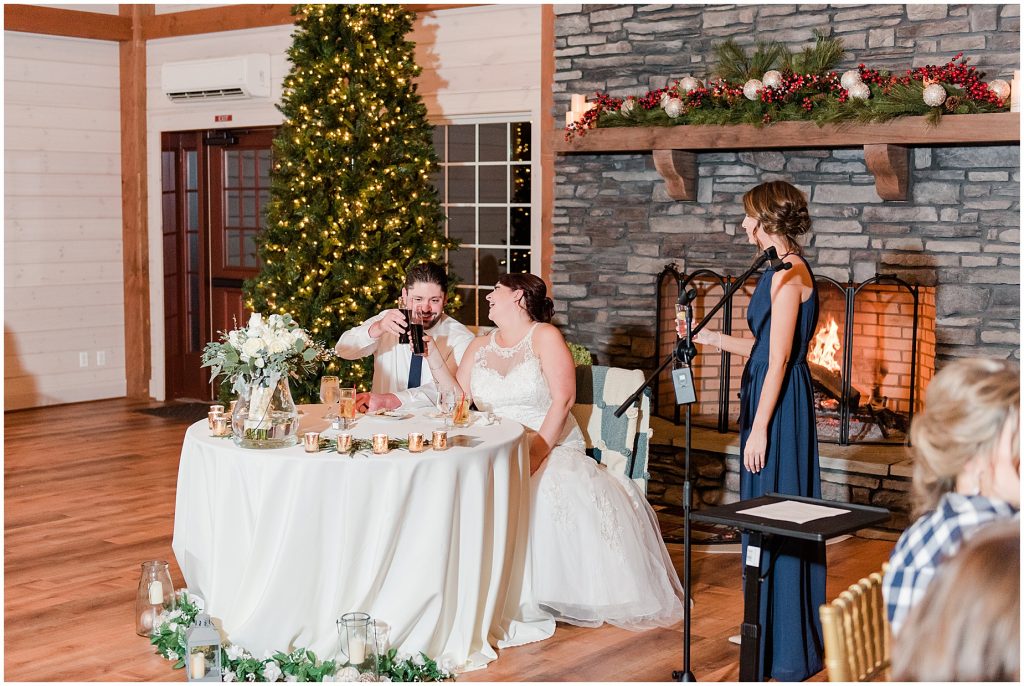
{"x": 344, "y": 443}
{"x": 415, "y": 442}
{"x": 311, "y": 441}
{"x": 211, "y": 417}
{"x": 380, "y": 444}
{"x": 439, "y": 440}
{"x": 220, "y": 426}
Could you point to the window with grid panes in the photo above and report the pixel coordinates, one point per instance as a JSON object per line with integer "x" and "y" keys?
{"x": 483, "y": 179}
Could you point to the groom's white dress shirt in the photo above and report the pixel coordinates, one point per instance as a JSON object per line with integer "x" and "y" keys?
{"x": 391, "y": 360}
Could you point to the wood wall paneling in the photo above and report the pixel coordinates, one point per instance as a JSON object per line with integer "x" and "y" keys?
{"x": 134, "y": 201}
{"x": 547, "y": 153}
{"x": 215, "y": 20}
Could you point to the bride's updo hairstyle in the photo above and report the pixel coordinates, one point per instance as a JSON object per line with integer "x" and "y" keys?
{"x": 535, "y": 300}
{"x": 781, "y": 209}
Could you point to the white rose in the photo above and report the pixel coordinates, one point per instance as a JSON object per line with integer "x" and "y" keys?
{"x": 447, "y": 664}
{"x": 417, "y": 659}
{"x": 228, "y": 675}
{"x": 279, "y": 346}
{"x": 291, "y": 677}
{"x": 255, "y": 320}
{"x": 235, "y": 652}
{"x": 253, "y": 347}
{"x": 171, "y": 655}
{"x": 259, "y": 362}
{"x": 272, "y": 671}
{"x": 235, "y": 338}
{"x": 173, "y": 626}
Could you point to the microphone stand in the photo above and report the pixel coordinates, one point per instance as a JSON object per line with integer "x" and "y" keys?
{"x": 685, "y": 352}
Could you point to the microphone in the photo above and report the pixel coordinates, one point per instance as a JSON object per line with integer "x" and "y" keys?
{"x": 776, "y": 262}
{"x": 686, "y": 296}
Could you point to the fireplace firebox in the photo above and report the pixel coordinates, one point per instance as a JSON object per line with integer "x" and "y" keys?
{"x": 871, "y": 357}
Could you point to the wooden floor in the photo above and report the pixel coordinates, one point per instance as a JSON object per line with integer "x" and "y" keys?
{"x": 89, "y": 495}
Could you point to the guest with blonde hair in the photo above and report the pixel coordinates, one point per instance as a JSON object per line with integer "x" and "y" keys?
{"x": 966, "y": 472}
{"x": 967, "y": 625}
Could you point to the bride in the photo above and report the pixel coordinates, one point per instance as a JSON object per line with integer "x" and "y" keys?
{"x": 595, "y": 552}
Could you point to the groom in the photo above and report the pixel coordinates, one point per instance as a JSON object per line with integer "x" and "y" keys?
{"x": 401, "y": 379}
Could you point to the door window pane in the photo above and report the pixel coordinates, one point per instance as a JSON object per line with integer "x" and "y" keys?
{"x": 493, "y": 225}
{"x": 493, "y": 143}
{"x": 494, "y": 184}
{"x": 462, "y": 184}
{"x": 462, "y": 224}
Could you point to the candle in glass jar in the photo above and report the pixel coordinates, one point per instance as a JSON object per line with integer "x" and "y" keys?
{"x": 344, "y": 443}
{"x": 380, "y": 444}
{"x": 156, "y": 592}
{"x": 197, "y": 665}
{"x": 357, "y": 648}
{"x": 439, "y": 440}
{"x": 415, "y": 442}
{"x": 311, "y": 441}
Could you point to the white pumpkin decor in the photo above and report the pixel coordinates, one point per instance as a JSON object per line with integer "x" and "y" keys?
{"x": 688, "y": 83}
{"x": 1000, "y": 88}
{"x": 934, "y": 95}
{"x": 859, "y": 91}
{"x": 772, "y": 79}
{"x": 674, "y": 107}
{"x": 751, "y": 88}
{"x": 849, "y": 78}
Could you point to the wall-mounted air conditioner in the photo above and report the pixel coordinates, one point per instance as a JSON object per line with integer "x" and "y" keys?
{"x": 222, "y": 78}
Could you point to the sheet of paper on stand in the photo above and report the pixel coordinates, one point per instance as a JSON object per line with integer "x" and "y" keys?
{"x": 792, "y": 511}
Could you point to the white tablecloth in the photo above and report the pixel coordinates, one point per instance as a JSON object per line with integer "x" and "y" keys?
{"x": 280, "y": 543}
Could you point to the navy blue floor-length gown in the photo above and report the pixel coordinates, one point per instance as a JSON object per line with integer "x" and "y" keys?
{"x": 791, "y": 646}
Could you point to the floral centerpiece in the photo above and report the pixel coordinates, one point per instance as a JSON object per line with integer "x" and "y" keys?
{"x": 258, "y": 360}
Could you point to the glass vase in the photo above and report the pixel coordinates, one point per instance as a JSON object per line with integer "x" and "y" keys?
{"x": 265, "y": 416}
{"x": 155, "y": 595}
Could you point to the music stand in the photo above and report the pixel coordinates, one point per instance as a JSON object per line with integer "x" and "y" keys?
{"x": 759, "y": 530}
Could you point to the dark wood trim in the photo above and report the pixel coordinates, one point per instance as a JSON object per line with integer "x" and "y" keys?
{"x": 215, "y": 20}
{"x": 547, "y": 131}
{"x": 134, "y": 190}
{"x": 51, "y": 21}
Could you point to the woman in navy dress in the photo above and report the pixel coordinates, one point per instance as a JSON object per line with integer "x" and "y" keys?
{"x": 778, "y": 438}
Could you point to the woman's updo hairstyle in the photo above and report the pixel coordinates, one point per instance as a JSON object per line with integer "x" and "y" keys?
{"x": 781, "y": 209}
{"x": 534, "y": 300}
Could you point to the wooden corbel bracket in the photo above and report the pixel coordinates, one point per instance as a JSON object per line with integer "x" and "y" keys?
{"x": 890, "y": 165}
{"x": 679, "y": 169}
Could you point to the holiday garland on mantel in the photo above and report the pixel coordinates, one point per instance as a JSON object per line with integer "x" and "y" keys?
{"x": 774, "y": 84}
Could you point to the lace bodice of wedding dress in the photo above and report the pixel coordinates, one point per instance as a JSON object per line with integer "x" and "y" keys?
{"x": 510, "y": 382}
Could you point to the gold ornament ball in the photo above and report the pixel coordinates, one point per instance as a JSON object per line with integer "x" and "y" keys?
{"x": 751, "y": 88}
{"x": 771, "y": 79}
{"x": 1000, "y": 88}
{"x": 849, "y": 78}
{"x": 934, "y": 95}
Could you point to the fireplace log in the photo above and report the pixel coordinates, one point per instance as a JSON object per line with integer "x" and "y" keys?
{"x": 832, "y": 384}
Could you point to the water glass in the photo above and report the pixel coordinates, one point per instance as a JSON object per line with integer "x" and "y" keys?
{"x": 446, "y": 401}
{"x": 330, "y": 395}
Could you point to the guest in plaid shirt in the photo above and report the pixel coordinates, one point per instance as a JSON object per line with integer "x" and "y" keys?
{"x": 966, "y": 472}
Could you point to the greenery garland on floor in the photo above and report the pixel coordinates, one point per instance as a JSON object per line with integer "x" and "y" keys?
{"x": 774, "y": 84}
{"x": 237, "y": 664}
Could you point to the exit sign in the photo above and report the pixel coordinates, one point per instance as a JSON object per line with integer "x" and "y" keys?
{"x": 222, "y": 117}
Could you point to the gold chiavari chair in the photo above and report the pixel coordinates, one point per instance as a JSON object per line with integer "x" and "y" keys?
{"x": 856, "y": 632}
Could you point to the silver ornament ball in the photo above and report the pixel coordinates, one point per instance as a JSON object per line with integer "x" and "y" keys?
{"x": 1000, "y": 88}
{"x": 934, "y": 95}
{"x": 750, "y": 89}
{"x": 687, "y": 84}
{"x": 665, "y": 97}
{"x": 772, "y": 79}
{"x": 849, "y": 78}
{"x": 674, "y": 107}
{"x": 626, "y": 108}
{"x": 859, "y": 91}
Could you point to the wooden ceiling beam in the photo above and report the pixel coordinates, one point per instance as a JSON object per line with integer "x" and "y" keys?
{"x": 215, "y": 20}
{"x": 51, "y": 21}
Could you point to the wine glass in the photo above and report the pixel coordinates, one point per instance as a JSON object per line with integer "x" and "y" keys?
{"x": 348, "y": 406}
{"x": 330, "y": 395}
{"x": 446, "y": 401}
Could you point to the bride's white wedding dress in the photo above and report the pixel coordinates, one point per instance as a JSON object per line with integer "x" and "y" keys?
{"x": 594, "y": 552}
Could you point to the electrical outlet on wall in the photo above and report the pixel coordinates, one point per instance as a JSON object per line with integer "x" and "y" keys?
{"x": 101, "y": 358}
{"x": 83, "y": 359}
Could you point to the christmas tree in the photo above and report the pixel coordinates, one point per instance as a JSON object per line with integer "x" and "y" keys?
{"x": 351, "y": 201}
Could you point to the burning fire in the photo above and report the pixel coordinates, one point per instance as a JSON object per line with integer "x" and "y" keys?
{"x": 826, "y": 346}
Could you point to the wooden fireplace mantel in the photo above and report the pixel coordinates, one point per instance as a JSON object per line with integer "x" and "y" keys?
{"x": 886, "y": 146}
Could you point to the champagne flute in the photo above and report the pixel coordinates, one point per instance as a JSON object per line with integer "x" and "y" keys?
{"x": 330, "y": 394}
{"x": 348, "y": 406}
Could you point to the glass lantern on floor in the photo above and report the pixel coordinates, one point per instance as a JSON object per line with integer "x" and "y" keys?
{"x": 202, "y": 657}
{"x": 155, "y": 595}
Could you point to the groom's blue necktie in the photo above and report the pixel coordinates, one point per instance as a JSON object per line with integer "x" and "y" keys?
{"x": 414, "y": 371}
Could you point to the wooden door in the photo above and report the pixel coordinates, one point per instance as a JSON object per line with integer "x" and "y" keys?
{"x": 215, "y": 189}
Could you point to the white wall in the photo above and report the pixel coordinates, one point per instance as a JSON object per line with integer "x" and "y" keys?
{"x": 63, "y": 274}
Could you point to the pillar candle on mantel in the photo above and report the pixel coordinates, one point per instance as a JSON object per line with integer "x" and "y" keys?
{"x": 570, "y": 118}
{"x": 1015, "y": 92}
{"x": 579, "y": 103}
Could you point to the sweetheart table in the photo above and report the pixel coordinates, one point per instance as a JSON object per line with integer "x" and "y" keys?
{"x": 280, "y": 543}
